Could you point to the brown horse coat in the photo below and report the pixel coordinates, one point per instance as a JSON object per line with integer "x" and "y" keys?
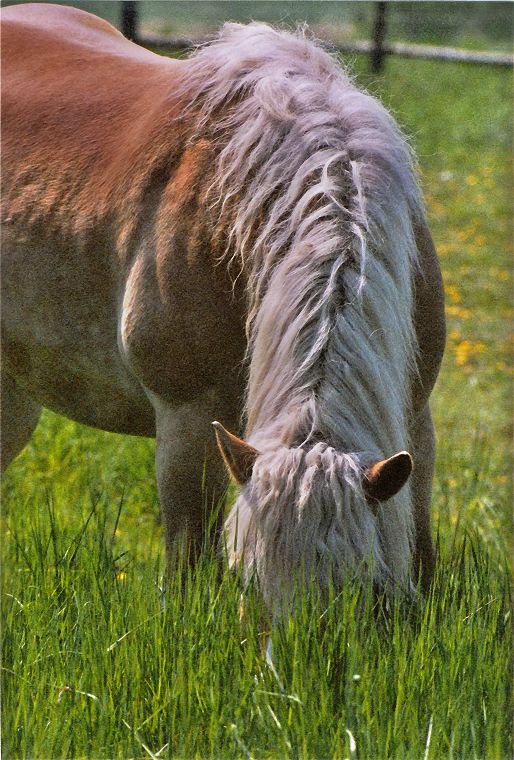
{"x": 116, "y": 312}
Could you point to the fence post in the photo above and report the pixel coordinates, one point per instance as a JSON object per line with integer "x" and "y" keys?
{"x": 129, "y": 19}
{"x": 379, "y": 28}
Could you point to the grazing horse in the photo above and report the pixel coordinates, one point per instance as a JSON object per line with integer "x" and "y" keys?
{"x": 238, "y": 235}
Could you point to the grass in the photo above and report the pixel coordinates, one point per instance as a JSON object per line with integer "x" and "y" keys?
{"x": 95, "y": 665}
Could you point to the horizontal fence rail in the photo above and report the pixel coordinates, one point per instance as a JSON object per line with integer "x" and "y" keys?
{"x": 442, "y": 53}
{"x": 358, "y": 46}
{"x": 377, "y": 48}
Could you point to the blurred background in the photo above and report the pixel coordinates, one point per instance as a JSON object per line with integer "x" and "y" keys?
{"x": 470, "y": 25}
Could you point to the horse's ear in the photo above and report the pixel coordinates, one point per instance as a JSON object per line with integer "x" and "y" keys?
{"x": 385, "y": 478}
{"x": 238, "y": 455}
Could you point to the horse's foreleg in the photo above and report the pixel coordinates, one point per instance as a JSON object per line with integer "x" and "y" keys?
{"x": 20, "y": 415}
{"x": 423, "y": 444}
{"x": 191, "y": 477}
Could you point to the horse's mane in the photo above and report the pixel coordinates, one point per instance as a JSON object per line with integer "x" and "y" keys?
{"x": 322, "y": 190}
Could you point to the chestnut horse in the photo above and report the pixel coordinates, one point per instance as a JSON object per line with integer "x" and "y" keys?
{"x": 240, "y": 236}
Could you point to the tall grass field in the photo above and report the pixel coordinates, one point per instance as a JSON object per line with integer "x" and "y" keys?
{"x": 94, "y": 664}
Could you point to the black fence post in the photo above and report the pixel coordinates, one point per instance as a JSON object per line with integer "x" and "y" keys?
{"x": 379, "y": 28}
{"x": 129, "y": 19}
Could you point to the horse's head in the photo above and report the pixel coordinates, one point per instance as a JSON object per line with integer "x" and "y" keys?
{"x": 308, "y": 512}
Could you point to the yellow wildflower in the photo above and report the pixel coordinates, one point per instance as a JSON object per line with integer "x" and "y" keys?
{"x": 453, "y": 293}
{"x": 457, "y": 311}
{"x": 467, "y": 349}
{"x": 462, "y": 353}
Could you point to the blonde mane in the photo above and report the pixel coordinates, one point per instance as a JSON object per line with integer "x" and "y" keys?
{"x": 321, "y": 188}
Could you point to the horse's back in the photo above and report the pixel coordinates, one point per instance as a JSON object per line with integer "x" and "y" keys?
{"x": 32, "y": 27}
{"x": 72, "y": 85}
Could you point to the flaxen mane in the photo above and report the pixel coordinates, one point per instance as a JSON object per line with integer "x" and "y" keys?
{"x": 325, "y": 198}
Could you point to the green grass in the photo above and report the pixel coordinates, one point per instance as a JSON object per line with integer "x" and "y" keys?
{"x": 95, "y": 666}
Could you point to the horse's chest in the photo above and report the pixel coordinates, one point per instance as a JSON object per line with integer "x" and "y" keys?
{"x": 181, "y": 328}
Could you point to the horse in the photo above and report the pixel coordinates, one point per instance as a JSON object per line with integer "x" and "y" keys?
{"x": 238, "y": 235}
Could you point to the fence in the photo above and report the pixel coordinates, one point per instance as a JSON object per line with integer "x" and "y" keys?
{"x": 377, "y": 48}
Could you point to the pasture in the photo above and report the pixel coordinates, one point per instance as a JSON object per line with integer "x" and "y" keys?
{"x": 94, "y": 665}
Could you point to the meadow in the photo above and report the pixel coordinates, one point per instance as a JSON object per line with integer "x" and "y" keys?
{"x": 94, "y": 665}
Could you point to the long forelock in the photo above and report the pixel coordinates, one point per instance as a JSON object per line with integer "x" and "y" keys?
{"x": 304, "y": 509}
